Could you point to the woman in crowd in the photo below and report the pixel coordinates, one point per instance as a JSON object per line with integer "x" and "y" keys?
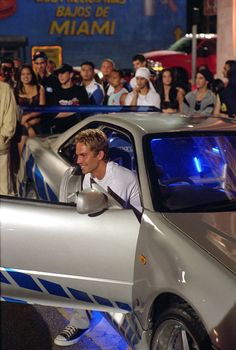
{"x": 226, "y": 99}
{"x": 28, "y": 93}
{"x": 142, "y": 94}
{"x": 171, "y": 96}
{"x": 202, "y": 100}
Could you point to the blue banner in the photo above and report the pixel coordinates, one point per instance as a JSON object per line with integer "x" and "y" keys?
{"x": 95, "y": 29}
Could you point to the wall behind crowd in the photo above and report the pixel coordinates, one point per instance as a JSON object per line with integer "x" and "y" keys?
{"x": 94, "y": 29}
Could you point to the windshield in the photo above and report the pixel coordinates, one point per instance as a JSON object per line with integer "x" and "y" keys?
{"x": 183, "y": 45}
{"x": 192, "y": 173}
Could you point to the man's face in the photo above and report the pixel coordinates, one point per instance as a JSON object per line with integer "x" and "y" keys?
{"x": 87, "y": 159}
{"x": 141, "y": 82}
{"x": 87, "y": 72}
{"x": 106, "y": 69}
{"x": 40, "y": 65}
{"x": 137, "y": 64}
{"x": 65, "y": 77}
{"x": 115, "y": 79}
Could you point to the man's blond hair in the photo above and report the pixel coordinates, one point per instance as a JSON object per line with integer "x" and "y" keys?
{"x": 94, "y": 138}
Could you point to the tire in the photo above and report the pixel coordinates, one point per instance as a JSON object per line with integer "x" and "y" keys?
{"x": 31, "y": 192}
{"x": 179, "y": 328}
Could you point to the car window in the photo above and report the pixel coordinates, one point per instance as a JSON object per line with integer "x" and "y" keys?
{"x": 121, "y": 149}
{"x": 207, "y": 48}
{"x": 183, "y": 45}
{"x": 67, "y": 150}
{"x": 193, "y": 173}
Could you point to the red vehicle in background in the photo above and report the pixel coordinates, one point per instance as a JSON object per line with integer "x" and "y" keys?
{"x": 179, "y": 54}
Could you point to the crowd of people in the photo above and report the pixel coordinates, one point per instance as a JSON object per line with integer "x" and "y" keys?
{"x": 43, "y": 84}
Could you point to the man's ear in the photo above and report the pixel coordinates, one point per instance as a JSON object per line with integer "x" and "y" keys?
{"x": 101, "y": 155}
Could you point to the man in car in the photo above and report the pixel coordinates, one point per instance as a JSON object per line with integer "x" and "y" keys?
{"x": 119, "y": 182}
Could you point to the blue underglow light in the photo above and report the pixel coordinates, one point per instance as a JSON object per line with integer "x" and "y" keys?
{"x": 197, "y": 164}
{"x": 215, "y": 150}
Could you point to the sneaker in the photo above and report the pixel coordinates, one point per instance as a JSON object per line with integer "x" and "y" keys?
{"x": 69, "y": 336}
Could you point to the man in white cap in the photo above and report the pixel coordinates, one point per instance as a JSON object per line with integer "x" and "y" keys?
{"x": 142, "y": 94}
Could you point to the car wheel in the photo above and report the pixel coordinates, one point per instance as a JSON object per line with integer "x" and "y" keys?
{"x": 179, "y": 328}
{"x": 31, "y": 192}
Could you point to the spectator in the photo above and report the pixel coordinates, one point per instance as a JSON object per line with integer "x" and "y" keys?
{"x": 69, "y": 94}
{"x": 171, "y": 97}
{"x": 226, "y": 101}
{"x": 7, "y": 71}
{"x": 17, "y": 65}
{"x": 8, "y": 116}
{"x": 119, "y": 94}
{"x": 142, "y": 94}
{"x": 139, "y": 61}
{"x": 228, "y": 64}
{"x": 92, "y": 156}
{"x": 107, "y": 67}
{"x": 29, "y": 93}
{"x": 94, "y": 90}
{"x": 48, "y": 81}
{"x": 202, "y": 100}
{"x": 51, "y": 66}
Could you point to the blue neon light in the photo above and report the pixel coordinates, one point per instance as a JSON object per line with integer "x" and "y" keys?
{"x": 215, "y": 150}
{"x": 197, "y": 164}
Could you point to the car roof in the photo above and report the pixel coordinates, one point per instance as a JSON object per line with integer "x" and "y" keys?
{"x": 156, "y": 122}
{"x": 141, "y": 123}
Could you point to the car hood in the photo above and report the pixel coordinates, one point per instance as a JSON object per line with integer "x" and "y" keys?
{"x": 163, "y": 53}
{"x": 214, "y": 232}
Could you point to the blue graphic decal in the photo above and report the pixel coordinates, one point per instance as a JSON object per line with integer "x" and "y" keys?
{"x": 54, "y": 288}
{"x": 24, "y": 280}
{"x": 80, "y": 295}
{"x": 29, "y": 167}
{"x": 40, "y": 183}
{"x": 13, "y": 300}
{"x": 3, "y": 279}
{"x": 51, "y": 194}
{"x": 103, "y": 301}
{"x": 123, "y": 306}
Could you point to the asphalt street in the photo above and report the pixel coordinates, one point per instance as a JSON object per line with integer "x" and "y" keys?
{"x": 27, "y": 327}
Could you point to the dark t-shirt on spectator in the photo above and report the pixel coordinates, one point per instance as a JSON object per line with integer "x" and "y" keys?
{"x": 73, "y": 96}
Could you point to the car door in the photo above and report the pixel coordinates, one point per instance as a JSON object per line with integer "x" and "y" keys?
{"x": 52, "y": 255}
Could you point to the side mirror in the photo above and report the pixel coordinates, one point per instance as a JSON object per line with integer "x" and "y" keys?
{"x": 70, "y": 184}
{"x": 90, "y": 201}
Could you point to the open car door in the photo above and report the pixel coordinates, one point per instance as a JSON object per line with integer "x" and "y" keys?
{"x": 53, "y": 255}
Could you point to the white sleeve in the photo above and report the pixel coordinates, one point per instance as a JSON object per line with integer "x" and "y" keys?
{"x": 128, "y": 99}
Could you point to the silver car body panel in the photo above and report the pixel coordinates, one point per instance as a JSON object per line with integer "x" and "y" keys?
{"x": 87, "y": 261}
{"x": 124, "y": 265}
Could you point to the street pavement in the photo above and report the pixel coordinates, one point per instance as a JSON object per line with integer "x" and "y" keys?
{"x": 27, "y": 327}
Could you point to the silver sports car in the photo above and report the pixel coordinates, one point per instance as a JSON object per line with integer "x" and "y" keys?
{"x": 171, "y": 273}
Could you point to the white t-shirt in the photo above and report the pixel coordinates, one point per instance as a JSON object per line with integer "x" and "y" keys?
{"x": 151, "y": 99}
{"x": 121, "y": 181}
